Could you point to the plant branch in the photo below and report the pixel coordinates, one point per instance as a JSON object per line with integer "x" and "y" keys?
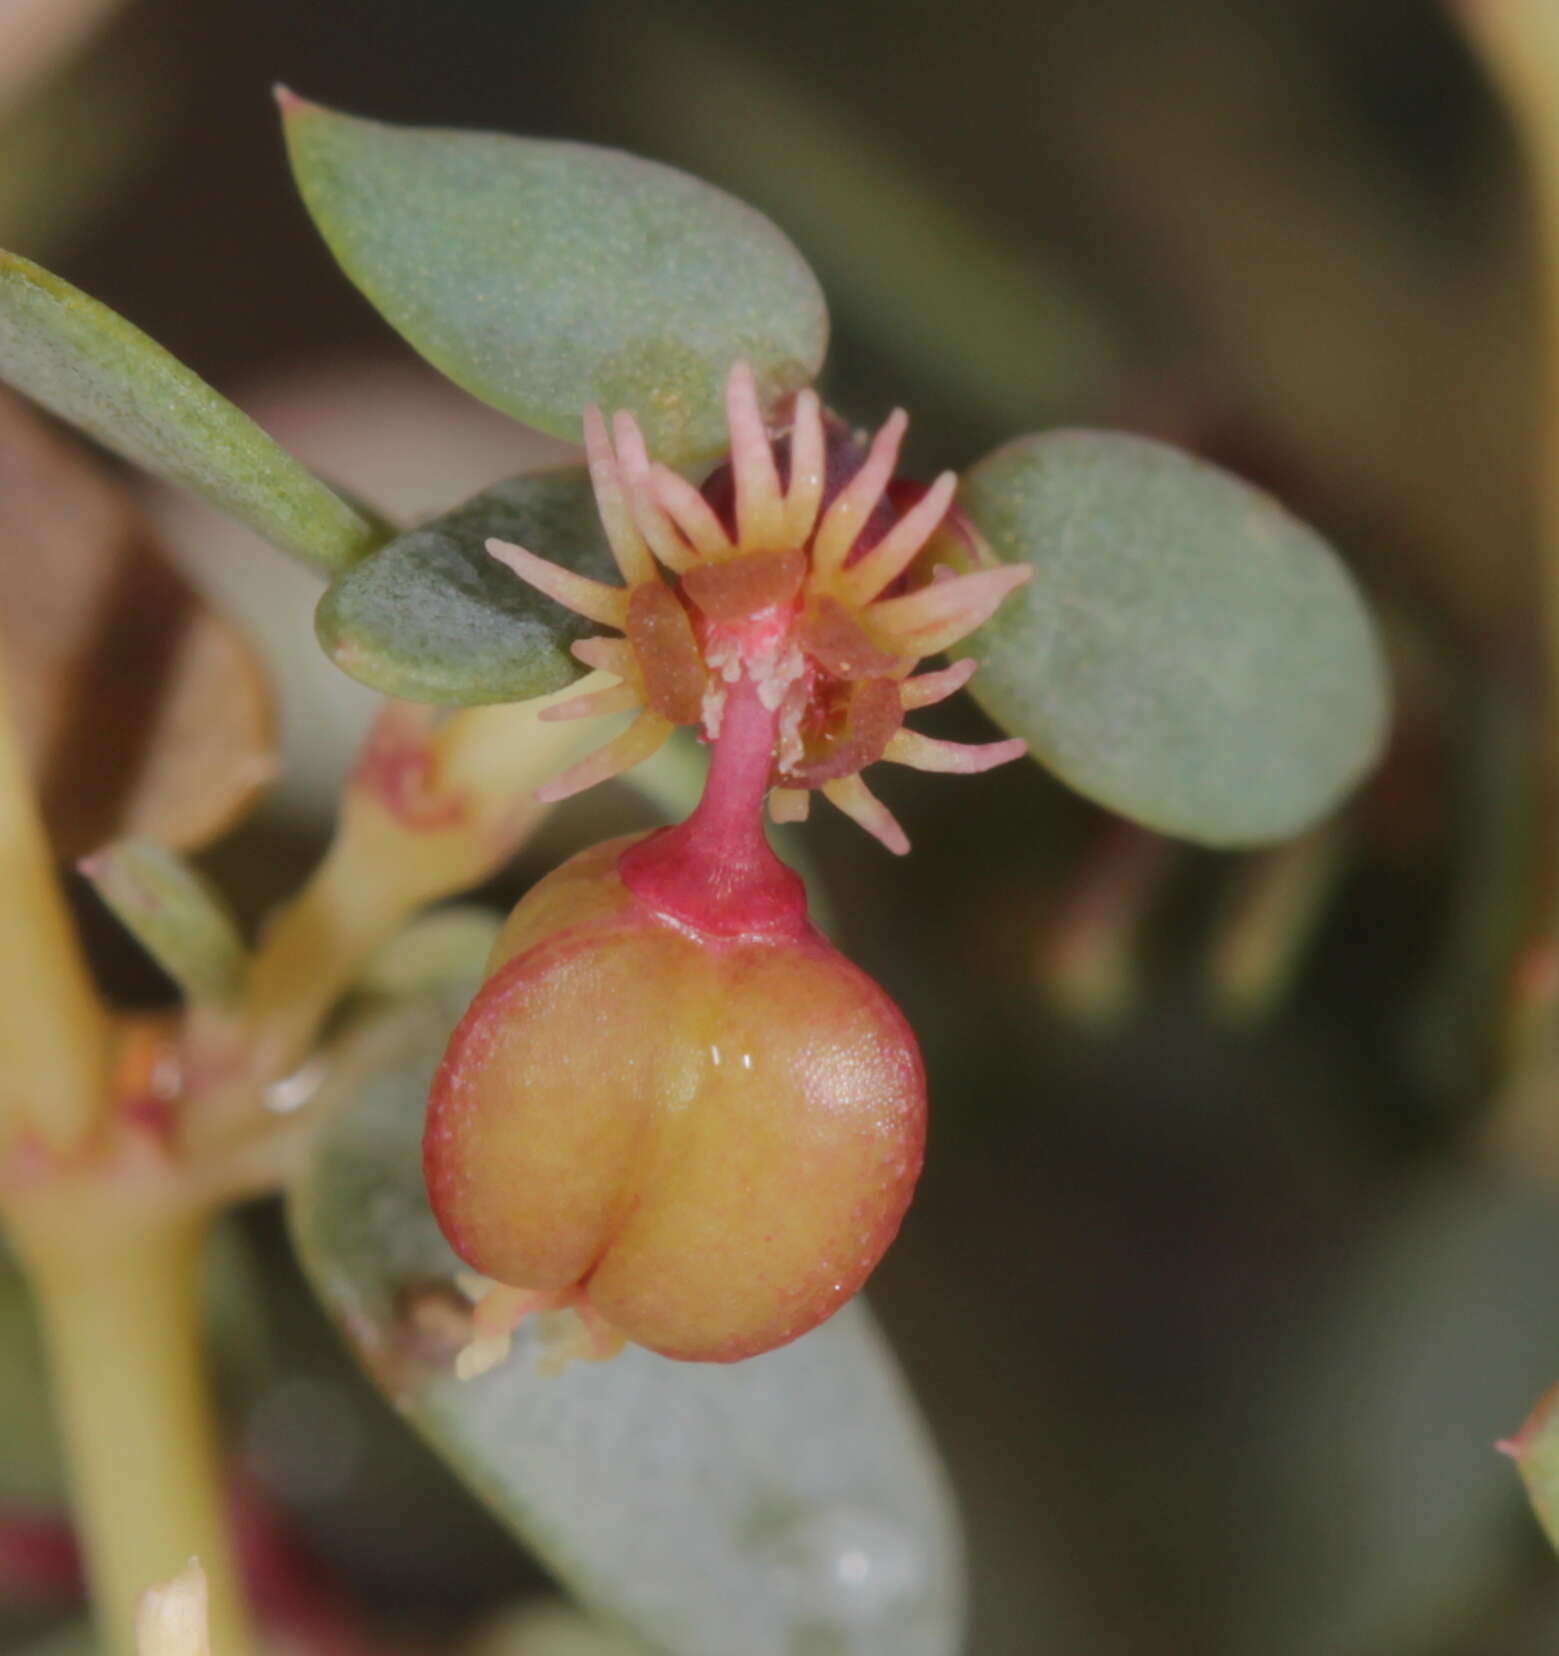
{"x": 52, "y": 1027}
{"x": 431, "y": 811}
{"x": 115, "y": 1264}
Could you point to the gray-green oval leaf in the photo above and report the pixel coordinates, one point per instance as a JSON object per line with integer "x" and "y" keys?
{"x": 88, "y": 365}
{"x": 1187, "y": 654}
{"x": 432, "y": 618}
{"x": 544, "y": 276}
{"x": 790, "y": 1503}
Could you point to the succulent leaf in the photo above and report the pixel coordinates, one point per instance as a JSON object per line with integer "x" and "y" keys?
{"x": 678, "y": 1500}
{"x": 91, "y": 367}
{"x": 1187, "y": 653}
{"x": 545, "y": 276}
{"x": 431, "y": 618}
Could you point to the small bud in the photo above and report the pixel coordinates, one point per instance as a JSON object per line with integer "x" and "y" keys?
{"x": 171, "y": 1619}
{"x": 701, "y": 1143}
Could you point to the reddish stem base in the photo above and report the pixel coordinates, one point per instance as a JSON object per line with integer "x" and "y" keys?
{"x": 717, "y": 872}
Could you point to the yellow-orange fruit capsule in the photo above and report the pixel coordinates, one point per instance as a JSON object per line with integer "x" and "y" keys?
{"x": 703, "y": 1142}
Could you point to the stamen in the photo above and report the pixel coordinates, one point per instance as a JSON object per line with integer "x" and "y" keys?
{"x": 633, "y": 463}
{"x": 929, "y": 753}
{"x": 646, "y": 735}
{"x": 619, "y": 698}
{"x": 595, "y": 600}
{"x": 611, "y": 499}
{"x": 857, "y": 500}
{"x": 760, "y": 509}
{"x": 947, "y": 610}
{"x": 790, "y": 804}
{"x": 497, "y": 1311}
{"x": 929, "y": 688}
{"x": 609, "y": 655}
{"x": 570, "y": 1329}
{"x": 894, "y": 553}
{"x": 807, "y": 469}
{"x": 605, "y": 1341}
{"x": 691, "y": 513}
{"x": 862, "y": 806}
{"x": 481, "y": 1354}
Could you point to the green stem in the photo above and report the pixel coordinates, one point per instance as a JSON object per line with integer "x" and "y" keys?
{"x": 1519, "y": 43}
{"x": 119, "y": 1291}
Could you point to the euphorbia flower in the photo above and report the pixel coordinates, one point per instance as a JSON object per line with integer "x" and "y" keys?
{"x": 674, "y": 1108}
{"x": 802, "y": 588}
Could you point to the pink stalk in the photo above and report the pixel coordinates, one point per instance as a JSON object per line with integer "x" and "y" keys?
{"x": 717, "y": 872}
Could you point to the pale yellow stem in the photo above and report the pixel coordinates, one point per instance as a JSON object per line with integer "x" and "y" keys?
{"x": 488, "y": 763}
{"x": 53, "y": 1032}
{"x": 1278, "y": 900}
{"x": 1087, "y": 961}
{"x": 118, "y": 1286}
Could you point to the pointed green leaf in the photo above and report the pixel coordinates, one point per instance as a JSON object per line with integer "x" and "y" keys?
{"x": 432, "y": 618}
{"x": 792, "y": 1497}
{"x": 1187, "y": 653}
{"x": 94, "y": 369}
{"x": 546, "y": 276}
{"x": 175, "y": 915}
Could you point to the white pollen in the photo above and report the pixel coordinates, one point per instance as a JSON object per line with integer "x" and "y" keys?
{"x": 791, "y": 747}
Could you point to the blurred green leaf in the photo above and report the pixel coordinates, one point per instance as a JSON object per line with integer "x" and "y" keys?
{"x": 432, "y": 618}
{"x": 790, "y": 1502}
{"x": 68, "y": 151}
{"x": 94, "y": 369}
{"x": 441, "y": 946}
{"x": 1271, "y": 913}
{"x": 549, "y": 1630}
{"x": 141, "y": 709}
{"x": 1535, "y": 1450}
{"x": 75, "y": 1638}
{"x": 1187, "y": 654}
{"x": 1368, "y": 1513}
{"x": 175, "y": 915}
{"x": 545, "y": 276}
{"x": 32, "y": 1473}
{"x": 943, "y": 286}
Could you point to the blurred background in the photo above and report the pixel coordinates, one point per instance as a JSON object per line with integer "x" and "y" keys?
{"x": 1237, "y": 1245}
